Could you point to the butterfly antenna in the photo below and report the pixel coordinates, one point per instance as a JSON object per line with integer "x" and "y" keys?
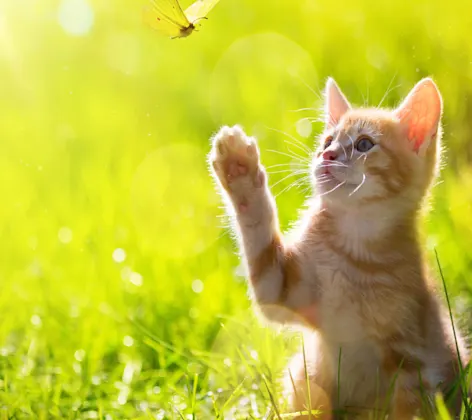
{"x": 200, "y": 18}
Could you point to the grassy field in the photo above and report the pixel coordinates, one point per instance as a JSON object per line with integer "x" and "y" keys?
{"x": 121, "y": 293}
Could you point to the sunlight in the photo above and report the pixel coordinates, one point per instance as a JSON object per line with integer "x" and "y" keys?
{"x": 127, "y": 270}
{"x": 7, "y": 50}
{"x": 76, "y": 17}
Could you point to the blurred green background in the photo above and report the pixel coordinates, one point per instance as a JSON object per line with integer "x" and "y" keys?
{"x": 121, "y": 292}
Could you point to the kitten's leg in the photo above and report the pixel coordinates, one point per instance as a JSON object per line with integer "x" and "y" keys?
{"x": 410, "y": 397}
{"x": 415, "y": 388}
{"x": 274, "y": 269}
{"x": 309, "y": 383}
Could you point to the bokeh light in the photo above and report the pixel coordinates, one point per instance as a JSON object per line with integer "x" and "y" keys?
{"x": 76, "y": 17}
{"x": 121, "y": 282}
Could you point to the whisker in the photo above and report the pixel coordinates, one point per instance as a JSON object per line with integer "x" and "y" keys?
{"x": 333, "y": 189}
{"x": 309, "y": 87}
{"x": 316, "y": 119}
{"x": 306, "y": 190}
{"x": 364, "y": 155}
{"x": 301, "y": 144}
{"x": 313, "y": 119}
{"x": 302, "y": 109}
{"x": 352, "y": 147}
{"x": 306, "y": 160}
{"x": 298, "y": 146}
{"x": 297, "y": 154}
{"x": 291, "y": 164}
{"x": 344, "y": 150}
{"x": 323, "y": 181}
{"x": 331, "y": 163}
{"x": 359, "y": 186}
{"x": 287, "y": 170}
{"x": 288, "y": 176}
{"x": 325, "y": 176}
{"x": 389, "y": 89}
{"x": 297, "y": 183}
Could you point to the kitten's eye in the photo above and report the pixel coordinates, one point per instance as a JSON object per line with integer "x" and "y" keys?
{"x": 364, "y": 145}
{"x": 328, "y": 142}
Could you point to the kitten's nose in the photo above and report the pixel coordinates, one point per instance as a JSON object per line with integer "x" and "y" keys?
{"x": 329, "y": 154}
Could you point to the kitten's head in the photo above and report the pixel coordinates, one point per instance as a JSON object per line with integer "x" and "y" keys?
{"x": 375, "y": 155}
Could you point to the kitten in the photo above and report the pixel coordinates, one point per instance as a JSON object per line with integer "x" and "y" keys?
{"x": 355, "y": 273}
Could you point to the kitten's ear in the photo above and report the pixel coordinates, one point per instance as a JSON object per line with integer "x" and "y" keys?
{"x": 420, "y": 113}
{"x": 336, "y": 104}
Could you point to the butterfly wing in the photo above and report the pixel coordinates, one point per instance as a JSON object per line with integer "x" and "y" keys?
{"x": 199, "y": 9}
{"x": 167, "y": 17}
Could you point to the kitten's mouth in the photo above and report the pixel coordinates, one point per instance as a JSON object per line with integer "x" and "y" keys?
{"x": 324, "y": 173}
{"x": 325, "y": 177}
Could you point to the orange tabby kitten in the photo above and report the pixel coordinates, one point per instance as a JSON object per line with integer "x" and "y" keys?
{"x": 355, "y": 271}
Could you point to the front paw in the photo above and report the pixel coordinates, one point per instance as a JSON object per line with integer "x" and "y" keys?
{"x": 235, "y": 160}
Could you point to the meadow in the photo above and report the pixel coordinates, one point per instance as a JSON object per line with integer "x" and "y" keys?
{"x": 122, "y": 295}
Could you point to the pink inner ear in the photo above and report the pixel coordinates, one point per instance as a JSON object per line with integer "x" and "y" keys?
{"x": 420, "y": 113}
{"x": 419, "y": 122}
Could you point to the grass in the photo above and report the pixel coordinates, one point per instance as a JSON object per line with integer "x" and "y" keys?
{"x": 121, "y": 293}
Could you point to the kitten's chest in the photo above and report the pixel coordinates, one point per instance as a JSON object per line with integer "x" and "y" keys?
{"x": 340, "y": 311}
{"x": 347, "y": 309}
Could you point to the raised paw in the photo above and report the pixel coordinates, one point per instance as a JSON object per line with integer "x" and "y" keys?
{"x": 235, "y": 160}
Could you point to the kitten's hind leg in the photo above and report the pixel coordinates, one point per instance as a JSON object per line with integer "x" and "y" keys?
{"x": 274, "y": 269}
{"x": 309, "y": 385}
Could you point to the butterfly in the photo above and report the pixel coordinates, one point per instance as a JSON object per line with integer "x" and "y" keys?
{"x": 167, "y": 17}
